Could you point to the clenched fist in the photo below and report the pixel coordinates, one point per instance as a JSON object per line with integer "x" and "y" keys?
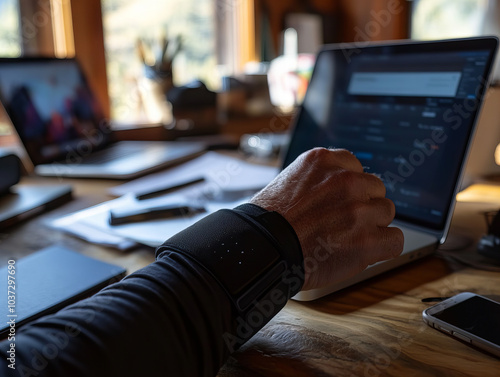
{"x": 339, "y": 212}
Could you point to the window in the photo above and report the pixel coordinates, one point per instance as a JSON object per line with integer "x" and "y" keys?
{"x": 10, "y": 40}
{"x": 127, "y": 21}
{"x": 10, "y": 45}
{"x": 436, "y": 19}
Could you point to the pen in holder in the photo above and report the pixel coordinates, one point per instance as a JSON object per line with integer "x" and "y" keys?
{"x": 157, "y": 79}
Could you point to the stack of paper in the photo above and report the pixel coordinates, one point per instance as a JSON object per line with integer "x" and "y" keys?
{"x": 228, "y": 183}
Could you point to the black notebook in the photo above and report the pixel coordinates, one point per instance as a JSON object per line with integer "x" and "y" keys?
{"x": 48, "y": 280}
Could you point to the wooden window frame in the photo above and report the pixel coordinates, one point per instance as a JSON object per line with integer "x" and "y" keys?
{"x": 237, "y": 30}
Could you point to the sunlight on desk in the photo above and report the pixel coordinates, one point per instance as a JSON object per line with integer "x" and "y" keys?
{"x": 480, "y": 193}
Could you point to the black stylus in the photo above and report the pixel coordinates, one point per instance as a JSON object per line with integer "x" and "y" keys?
{"x": 166, "y": 190}
{"x": 125, "y": 216}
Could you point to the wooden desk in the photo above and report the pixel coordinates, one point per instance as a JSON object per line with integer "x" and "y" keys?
{"x": 375, "y": 328}
{"x": 372, "y": 329}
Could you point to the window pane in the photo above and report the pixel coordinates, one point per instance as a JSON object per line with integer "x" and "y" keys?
{"x": 436, "y": 19}
{"x": 10, "y": 42}
{"x": 127, "y": 20}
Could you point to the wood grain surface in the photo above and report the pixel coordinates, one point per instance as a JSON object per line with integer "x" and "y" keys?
{"x": 372, "y": 329}
{"x": 375, "y": 328}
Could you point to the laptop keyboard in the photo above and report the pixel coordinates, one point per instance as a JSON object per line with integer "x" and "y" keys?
{"x": 110, "y": 154}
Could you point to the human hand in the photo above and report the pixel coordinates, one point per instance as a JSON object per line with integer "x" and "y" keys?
{"x": 340, "y": 214}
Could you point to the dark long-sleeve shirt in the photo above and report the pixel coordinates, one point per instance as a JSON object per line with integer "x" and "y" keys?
{"x": 175, "y": 317}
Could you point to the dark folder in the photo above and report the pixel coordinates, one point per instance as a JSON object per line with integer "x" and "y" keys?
{"x": 48, "y": 280}
{"x": 25, "y": 201}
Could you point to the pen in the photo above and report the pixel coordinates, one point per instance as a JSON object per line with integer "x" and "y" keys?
{"x": 166, "y": 190}
{"x": 125, "y": 216}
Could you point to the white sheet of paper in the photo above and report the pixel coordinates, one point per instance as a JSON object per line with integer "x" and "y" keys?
{"x": 228, "y": 183}
{"x": 92, "y": 224}
{"x": 222, "y": 173}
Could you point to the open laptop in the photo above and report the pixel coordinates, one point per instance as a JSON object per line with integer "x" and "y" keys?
{"x": 63, "y": 128}
{"x": 407, "y": 110}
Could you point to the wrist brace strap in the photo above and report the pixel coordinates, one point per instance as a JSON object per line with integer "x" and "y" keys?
{"x": 252, "y": 253}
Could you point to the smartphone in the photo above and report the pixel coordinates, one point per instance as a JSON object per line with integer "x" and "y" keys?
{"x": 469, "y": 317}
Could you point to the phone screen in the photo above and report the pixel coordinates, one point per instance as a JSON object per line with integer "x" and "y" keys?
{"x": 476, "y": 316}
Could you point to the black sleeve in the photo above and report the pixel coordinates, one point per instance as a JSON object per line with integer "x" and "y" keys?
{"x": 174, "y": 317}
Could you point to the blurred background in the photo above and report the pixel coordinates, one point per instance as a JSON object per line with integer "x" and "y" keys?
{"x": 229, "y": 67}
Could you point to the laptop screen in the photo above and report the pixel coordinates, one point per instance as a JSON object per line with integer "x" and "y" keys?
{"x": 52, "y": 108}
{"x": 406, "y": 110}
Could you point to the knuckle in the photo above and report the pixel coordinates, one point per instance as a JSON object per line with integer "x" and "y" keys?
{"x": 387, "y": 210}
{"x": 353, "y": 212}
{"x": 316, "y": 157}
{"x": 397, "y": 241}
{"x": 363, "y": 257}
{"x": 366, "y": 241}
{"x": 317, "y": 153}
{"x": 321, "y": 154}
{"x": 377, "y": 182}
{"x": 347, "y": 179}
{"x": 344, "y": 153}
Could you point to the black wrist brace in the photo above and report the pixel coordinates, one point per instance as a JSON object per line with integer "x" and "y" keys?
{"x": 252, "y": 253}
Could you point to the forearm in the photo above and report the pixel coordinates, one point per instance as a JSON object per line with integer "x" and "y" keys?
{"x": 143, "y": 325}
{"x": 173, "y": 317}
